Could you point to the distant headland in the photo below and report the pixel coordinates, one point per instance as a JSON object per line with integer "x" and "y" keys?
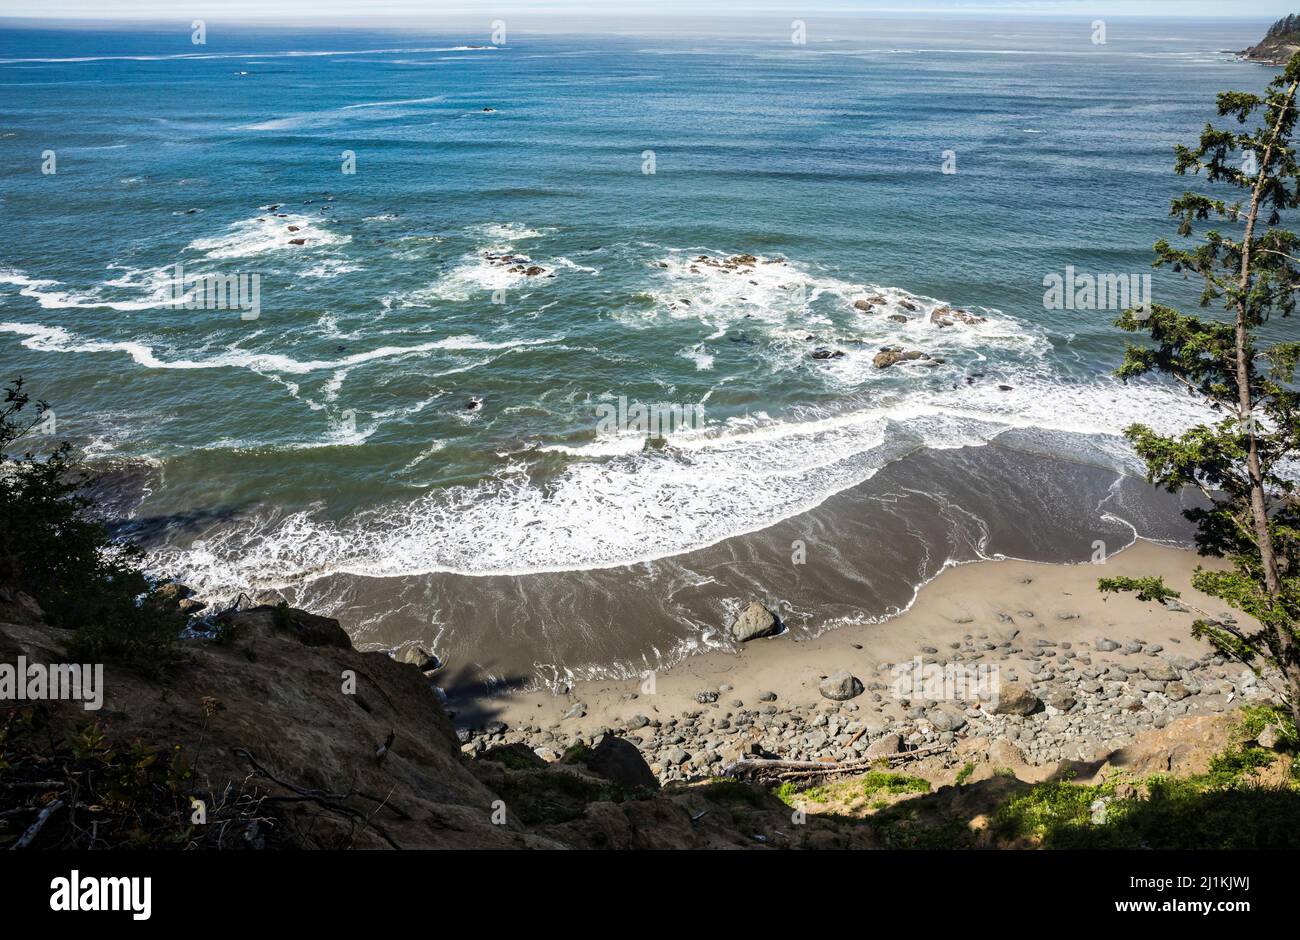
{"x": 1280, "y": 42}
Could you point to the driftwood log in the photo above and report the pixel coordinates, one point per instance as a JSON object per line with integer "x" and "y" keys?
{"x": 775, "y": 769}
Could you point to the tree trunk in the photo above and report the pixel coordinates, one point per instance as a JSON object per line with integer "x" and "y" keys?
{"x": 1288, "y": 653}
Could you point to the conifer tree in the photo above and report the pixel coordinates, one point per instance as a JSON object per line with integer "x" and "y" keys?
{"x": 1244, "y": 465}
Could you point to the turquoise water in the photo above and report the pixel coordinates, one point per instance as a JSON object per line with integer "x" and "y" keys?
{"x": 406, "y": 404}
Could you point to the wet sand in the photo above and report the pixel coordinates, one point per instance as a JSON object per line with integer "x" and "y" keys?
{"x": 857, "y": 558}
{"x": 962, "y": 601}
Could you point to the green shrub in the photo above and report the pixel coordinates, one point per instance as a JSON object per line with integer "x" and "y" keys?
{"x": 54, "y": 548}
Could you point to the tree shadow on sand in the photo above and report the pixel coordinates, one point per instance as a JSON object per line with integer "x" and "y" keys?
{"x": 473, "y": 701}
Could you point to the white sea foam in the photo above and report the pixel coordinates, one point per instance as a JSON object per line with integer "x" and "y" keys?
{"x": 52, "y": 295}
{"x": 268, "y": 232}
{"x": 56, "y": 339}
{"x": 618, "y": 504}
{"x": 481, "y": 272}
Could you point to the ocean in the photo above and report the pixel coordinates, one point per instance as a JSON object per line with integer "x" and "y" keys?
{"x": 474, "y": 261}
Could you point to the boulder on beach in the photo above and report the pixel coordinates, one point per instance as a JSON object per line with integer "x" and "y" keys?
{"x": 841, "y": 686}
{"x": 1015, "y": 698}
{"x": 620, "y": 760}
{"x": 753, "y": 622}
{"x": 884, "y": 746}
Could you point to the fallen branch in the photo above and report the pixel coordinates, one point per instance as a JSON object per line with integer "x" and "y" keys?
{"x": 792, "y": 769}
{"x": 35, "y": 828}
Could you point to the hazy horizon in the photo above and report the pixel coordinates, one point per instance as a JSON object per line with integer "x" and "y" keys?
{"x": 345, "y": 13}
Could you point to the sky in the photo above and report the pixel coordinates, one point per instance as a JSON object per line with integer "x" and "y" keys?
{"x": 411, "y": 10}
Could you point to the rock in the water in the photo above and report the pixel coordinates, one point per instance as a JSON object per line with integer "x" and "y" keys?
{"x": 421, "y": 657}
{"x": 895, "y": 354}
{"x": 754, "y": 621}
{"x": 576, "y": 710}
{"x": 840, "y": 687}
{"x": 947, "y": 316}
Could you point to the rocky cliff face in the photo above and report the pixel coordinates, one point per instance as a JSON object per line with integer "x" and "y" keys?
{"x": 1279, "y": 44}
{"x": 292, "y": 738}
{"x": 289, "y": 738}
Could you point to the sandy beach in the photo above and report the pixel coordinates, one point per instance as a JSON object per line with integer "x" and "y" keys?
{"x": 1130, "y": 665}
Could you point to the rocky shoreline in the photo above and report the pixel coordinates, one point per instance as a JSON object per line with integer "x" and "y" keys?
{"x": 1073, "y": 701}
{"x": 1279, "y": 44}
{"x": 1058, "y": 690}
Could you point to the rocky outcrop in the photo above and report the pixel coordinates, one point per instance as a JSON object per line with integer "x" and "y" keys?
{"x": 949, "y": 316}
{"x": 892, "y": 355}
{"x": 19, "y": 607}
{"x": 272, "y": 620}
{"x": 1279, "y": 44}
{"x": 284, "y": 706}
